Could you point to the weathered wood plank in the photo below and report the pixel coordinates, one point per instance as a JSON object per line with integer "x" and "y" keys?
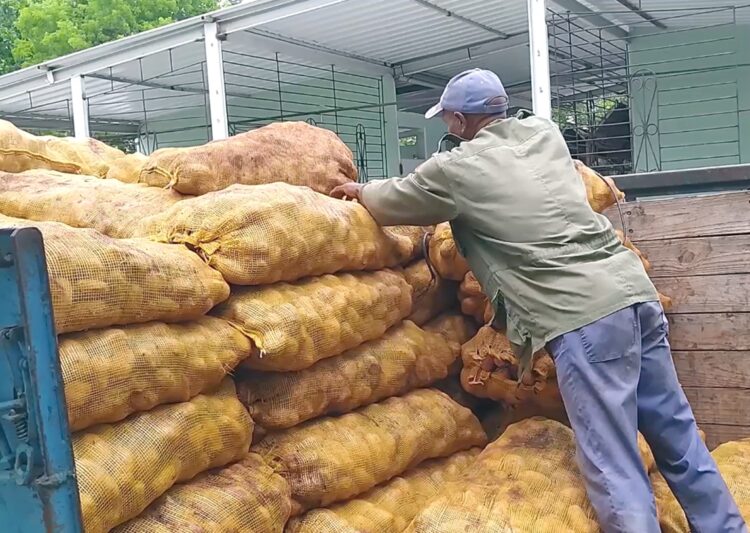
{"x": 718, "y": 331}
{"x": 714, "y": 405}
{"x": 703, "y": 256}
{"x": 689, "y": 216}
{"x": 707, "y": 294}
{"x": 713, "y": 369}
{"x": 719, "y": 434}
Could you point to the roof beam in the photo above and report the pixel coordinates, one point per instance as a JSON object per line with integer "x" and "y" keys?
{"x": 458, "y": 55}
{"x": 34, "y": 120}
{"x": 314, "y": 53}
{"x": 466, "y": 20}
{"x": 254, "y": 14}
{"x": 574, "y": 6}
{"x": 641, "y": 13}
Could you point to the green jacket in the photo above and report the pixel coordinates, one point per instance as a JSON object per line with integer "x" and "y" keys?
{"x": 519, "y": 214}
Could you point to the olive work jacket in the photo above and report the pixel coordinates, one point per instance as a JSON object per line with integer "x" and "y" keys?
{"x": 519, "y": 215}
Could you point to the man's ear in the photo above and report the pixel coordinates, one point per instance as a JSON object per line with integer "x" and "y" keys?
{"x": 462, "y": 122}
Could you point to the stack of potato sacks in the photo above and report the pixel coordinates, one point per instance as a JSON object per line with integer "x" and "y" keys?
{"x": 331, "y": 326}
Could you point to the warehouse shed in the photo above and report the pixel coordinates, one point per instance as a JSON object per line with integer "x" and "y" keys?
{"x": 636, "y": 85}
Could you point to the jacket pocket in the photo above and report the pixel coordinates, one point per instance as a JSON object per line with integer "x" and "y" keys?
{"x": 612, "y": 337}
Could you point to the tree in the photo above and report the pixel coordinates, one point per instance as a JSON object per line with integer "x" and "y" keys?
{"x": 50, "y": 28}
{"x": 8, "y": 34}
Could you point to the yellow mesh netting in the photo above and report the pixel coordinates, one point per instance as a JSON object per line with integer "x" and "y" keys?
{"x": 96, "y": 281}
{"x": 431, "y": 297}
{"x": 111, "y": 373}
{"x": 491, "y": 371}
{"x": 474, "y": 303}
{"x": 598, "y": 193}
{"x": 296, "y": 325}
{"x": 291, "y": 152}
{"x": 733, "y": 460}
{"x": 121, "y": 468}
{"x": 405, "y": 358}
{"x": 113, "y": 208}
{"x": 415, "y": 234}
{"x": 266, "y": 233}
{"x": 127, "y": 169}
{"x": 20, "y": 150}
{"x": 334, "y": 459}
{"x": 389, "y": 507}
{"x": 525, "y": 481}
{"x": 444, "y": 254}
{"x": 454, "y": 327}
{"x": 246, "y": 497}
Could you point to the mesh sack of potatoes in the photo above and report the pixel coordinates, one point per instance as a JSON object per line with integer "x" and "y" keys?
{"x": 474, "y": 303}
{"x": 261, "y": 234}
{"x": 490, "y": 370}
{"x": 405, "y": 358}
{"x": 96, "y": 281}
{"x": 292, "y": 152}
{"x": 390, "y": 506}
{"x": 601, "y": 191}
{"x": 110, "y": 207}
{"x": 111, "y": 373}
{"x": 733, "y": 460}
{"x": 444, "y": 254}
{"x": 246, "y": 497}
{"x": 333, "y": 459}
{"x": 121, "y": 468}
{"x": 527, "y": 481}
{"x": 127, "y": 169}
{"x": 20, "y": 150}
{"x": 431, "y": 295}
{"x": 454, "y": 327}
{"x": 415, "y": 234}
{"x": 295, "y": 325}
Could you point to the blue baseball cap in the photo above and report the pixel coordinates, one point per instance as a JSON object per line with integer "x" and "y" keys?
{"x": 473, "y": 92}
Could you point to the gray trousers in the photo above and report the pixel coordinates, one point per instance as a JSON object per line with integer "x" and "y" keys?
{"x": 617, "y": 377}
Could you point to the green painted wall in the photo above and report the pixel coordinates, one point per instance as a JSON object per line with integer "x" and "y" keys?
{"x": 690, "y": 98}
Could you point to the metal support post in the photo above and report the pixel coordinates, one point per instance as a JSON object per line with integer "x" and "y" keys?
{"x": 540, "y": 80}
{"x": 80, "y": 109}
{"x": 217, "y": 100}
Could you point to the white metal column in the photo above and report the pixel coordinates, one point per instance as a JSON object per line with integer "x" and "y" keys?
{"x": 540, "y": 81}
{"x": 80, "y": 109}
{"x": 217, "y": 100}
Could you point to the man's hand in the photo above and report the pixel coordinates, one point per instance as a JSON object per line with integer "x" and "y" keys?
{"x": 350, "y": 191}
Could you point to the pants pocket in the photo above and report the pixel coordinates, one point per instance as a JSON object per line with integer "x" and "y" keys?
{"x": 612, "y": 337}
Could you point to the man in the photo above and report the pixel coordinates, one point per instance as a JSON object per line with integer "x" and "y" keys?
{"x": 561, "y": 278}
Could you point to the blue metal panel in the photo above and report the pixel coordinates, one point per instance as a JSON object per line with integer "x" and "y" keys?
{"x": 38, "y": 491}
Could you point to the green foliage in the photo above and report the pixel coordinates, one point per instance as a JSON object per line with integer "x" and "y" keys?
{"x": 8, "y": 34}
{"x": 45, "y": 29}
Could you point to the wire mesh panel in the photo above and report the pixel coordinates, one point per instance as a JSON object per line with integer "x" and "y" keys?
{"x": 264, "y": 88}
{"x": 163, "y": 95}
{"x": 637, "y": 90}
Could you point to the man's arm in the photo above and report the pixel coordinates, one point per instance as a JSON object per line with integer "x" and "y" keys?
{"x": 419, "y": 199}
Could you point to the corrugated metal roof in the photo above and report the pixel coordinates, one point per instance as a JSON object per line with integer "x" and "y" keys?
{"x": 433, "y": 39}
